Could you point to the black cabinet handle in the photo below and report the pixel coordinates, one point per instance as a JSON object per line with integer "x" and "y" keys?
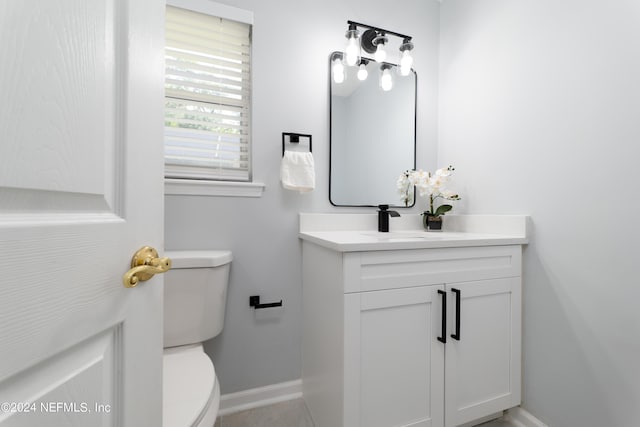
{"x": 456, "y": 336}
{"x": 443, "y": 338}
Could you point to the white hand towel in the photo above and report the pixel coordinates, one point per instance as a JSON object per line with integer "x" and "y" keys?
{"x": 297, "y": 171}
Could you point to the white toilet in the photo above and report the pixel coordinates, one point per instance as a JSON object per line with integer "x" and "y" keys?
{"x": 195, "y": 297}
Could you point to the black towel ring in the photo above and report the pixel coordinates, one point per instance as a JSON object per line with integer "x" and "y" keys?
{"x": 294, "y": 138}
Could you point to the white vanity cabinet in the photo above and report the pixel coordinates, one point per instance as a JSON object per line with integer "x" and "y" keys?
{"x": 388, "y": 343}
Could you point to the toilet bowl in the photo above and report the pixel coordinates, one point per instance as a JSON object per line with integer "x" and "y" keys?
{"x": 191, "y": 393}
{"x": 194, "y": 305}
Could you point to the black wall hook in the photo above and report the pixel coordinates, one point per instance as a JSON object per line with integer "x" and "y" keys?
{"x": 254, "y": 301}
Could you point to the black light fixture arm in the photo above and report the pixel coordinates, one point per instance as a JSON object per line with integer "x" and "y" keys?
{"x": 381, "y": 30}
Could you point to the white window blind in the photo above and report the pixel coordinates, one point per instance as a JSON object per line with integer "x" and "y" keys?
{"x": 207, "y": 96}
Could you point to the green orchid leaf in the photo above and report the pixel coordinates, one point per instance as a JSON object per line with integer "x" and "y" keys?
{"x": 442, "y": 209}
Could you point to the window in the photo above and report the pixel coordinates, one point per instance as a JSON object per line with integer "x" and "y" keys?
{"x": 207, "y": 96}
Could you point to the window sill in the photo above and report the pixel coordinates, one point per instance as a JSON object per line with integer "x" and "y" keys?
{"x": 192, "y": 187}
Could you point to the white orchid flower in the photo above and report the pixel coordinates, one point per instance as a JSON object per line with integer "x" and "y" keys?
{"x": 402, "y": 183}
{"x": 418, "y": 177}
{"x": 444, "y": 172}
{"x": 428, "y": 184}
{"x": 450, "y": 195}
{"x": 405, "y": 187}
{"x": 424, "y": 190}
{"x": 436, "y": 182}
{"x": 432, "y": 185}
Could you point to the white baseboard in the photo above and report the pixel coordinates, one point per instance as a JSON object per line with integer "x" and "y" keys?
{"x": 520, "y": 417}
{"x": 262, "y": 396}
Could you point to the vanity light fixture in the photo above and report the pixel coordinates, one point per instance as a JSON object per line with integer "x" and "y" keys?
{"x": 386, "y": 81}
{"x": 375, "y": 41}
{"x": 362, "y": 71}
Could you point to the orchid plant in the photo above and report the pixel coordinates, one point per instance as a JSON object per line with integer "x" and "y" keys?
{"x": 427, "y": 183}
{"x": 405, "y": 184}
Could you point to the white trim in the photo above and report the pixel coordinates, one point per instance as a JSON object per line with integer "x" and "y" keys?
{"x": 215, "y": 9}
{"x": 194, "y": 187}
{"x": 520, "y": 417}
{"x": 262, "y": 396}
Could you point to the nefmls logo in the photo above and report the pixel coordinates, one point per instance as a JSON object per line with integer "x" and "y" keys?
{"x": 67, "y": 407}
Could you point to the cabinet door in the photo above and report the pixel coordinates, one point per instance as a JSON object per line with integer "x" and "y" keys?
{"x": 394, "y": 364}
{"x": 482, "y": 365}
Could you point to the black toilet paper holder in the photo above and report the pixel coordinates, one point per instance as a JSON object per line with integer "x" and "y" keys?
{"x": 254, "y": 301}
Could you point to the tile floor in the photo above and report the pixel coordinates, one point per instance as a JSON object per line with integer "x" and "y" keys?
{"x": 496, "y": 423}
{"x": 292, "y": 413}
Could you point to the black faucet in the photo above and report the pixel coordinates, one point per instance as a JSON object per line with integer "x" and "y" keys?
{"x": 383, "y": 217}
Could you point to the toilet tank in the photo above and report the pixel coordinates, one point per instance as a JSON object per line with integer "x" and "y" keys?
{"x": 195, "y": 296}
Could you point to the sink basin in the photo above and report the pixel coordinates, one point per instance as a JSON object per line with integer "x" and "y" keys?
{"x": 403, "y": 235}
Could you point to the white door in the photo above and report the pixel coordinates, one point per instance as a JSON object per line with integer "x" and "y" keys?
{"x": 80, "y": 192}
{"x": 483, "y": 349}
{"x": 393, "y": 360}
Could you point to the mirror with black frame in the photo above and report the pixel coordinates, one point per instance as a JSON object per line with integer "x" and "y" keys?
{"x": 373, "y": 132}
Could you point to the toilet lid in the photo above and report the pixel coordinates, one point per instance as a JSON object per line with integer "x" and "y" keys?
{"x": 188, "y": 384}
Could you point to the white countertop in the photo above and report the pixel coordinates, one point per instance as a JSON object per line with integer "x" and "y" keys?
{"x": 356, "y": 232}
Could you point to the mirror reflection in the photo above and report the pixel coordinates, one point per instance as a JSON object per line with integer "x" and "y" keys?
{"x": 373, "y": 122}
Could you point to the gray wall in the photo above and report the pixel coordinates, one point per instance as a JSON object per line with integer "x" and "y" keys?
{"x": 292, "y": 43}
{"x": 540, "y": 108}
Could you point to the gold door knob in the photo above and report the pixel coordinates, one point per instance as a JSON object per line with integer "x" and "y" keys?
{"x": 144, "y": 265}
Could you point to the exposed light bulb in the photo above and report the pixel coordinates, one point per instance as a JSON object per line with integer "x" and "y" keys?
{"x": 378, "y": 42}
{"x": 406, "y": 62}
{"x": 352, "y": 51}
{"x": 362, "y": 72}
{"x": 338, "y": 71}
{"x": 380, "y": 54}
{"x": 386, "y": 81}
